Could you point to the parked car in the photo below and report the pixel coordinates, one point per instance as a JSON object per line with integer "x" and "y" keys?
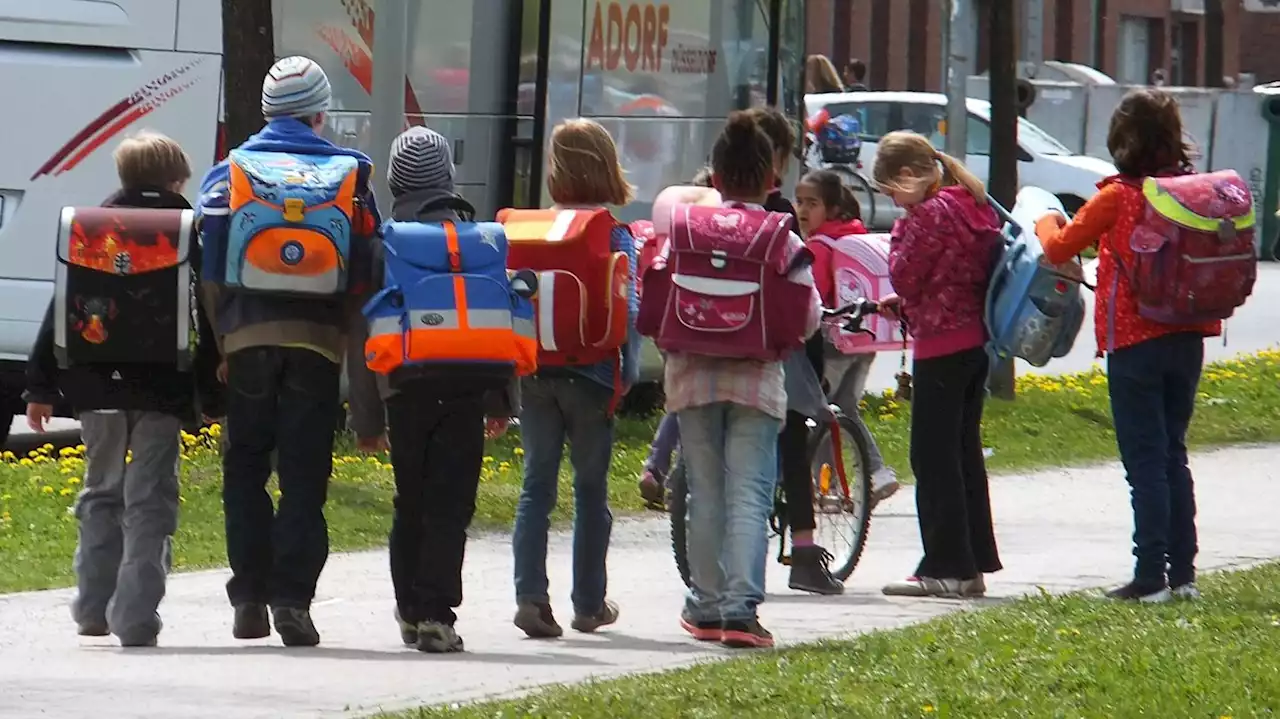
{"x": 1042, "y": 161}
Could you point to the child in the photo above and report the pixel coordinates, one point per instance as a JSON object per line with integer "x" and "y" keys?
{"x": 128, "y": 510}
{"x": 1152, "y": 368}
{"x": 730, "y": 412}
{"x": 284, "y": 359}
{"x": 950, "y": 225}
{"x": 829, "y": 209}
{"x": 573, "y": 403}
{"x": 436, "y": 423}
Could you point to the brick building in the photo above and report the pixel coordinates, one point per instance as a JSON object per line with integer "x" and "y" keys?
{"x": 901, "y": 40}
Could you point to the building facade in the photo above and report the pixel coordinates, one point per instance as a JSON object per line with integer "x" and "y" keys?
{"x": 901, "y": 40}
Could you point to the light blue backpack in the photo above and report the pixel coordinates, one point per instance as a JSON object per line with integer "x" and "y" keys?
{"x": 1034, "y": 309}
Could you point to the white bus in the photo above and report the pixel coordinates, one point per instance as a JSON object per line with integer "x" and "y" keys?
{"x": 492, "y": 75}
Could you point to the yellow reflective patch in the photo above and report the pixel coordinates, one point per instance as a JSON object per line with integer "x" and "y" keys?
{"x": 1169, "y": 208}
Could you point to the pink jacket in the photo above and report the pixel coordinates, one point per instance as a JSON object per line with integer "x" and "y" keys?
{"x": 940, "y": 261}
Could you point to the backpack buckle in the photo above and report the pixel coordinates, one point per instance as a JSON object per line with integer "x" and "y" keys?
{"x": 1226, "y": 230}
{"x": 718, "y": 259}
{"x": 294, "y": 209}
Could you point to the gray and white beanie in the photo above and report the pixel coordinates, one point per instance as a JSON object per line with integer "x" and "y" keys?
{"x": 420, "y": 160}
{"x": 295, "y": 87}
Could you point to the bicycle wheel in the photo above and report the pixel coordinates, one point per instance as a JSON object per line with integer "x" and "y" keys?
{"x": 862, "y": 190}
{"x": 841, "y": 492}
{"x": 678, "y": 509}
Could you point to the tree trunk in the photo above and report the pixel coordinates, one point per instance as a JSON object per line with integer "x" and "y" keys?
{"x": 1003, "y": 183}
{"x": 248, "y": 51}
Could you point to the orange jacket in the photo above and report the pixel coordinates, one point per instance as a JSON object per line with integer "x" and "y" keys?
{"x": 1107, "y": 220}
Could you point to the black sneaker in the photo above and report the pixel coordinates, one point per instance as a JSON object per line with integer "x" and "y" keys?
{"x": 810, "y": 571}
{"x": 1144, "y": 592}
{"x": 745, "y": 635}
{"x": 588, "y": 623}
{"x": 93, "y": 629}
{"x": 438, "y": 638}
{"x": 408, "y": 631}
{"x": 537, "y": 621}
{"x": 703, "y": 631}
{"x": 251, "y": 622}
{"x": 295, "y": 627}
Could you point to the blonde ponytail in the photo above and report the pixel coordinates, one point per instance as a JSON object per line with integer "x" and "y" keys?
{"x": 954, "y": 172}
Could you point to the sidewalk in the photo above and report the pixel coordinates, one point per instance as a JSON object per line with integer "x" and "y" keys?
{"x": 1059, "y": 529}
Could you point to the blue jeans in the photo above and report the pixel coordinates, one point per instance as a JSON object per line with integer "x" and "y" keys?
{"x": 1153, "y": 394}
{"x": 731, "y": 454}
{"x": 555, "y": 409}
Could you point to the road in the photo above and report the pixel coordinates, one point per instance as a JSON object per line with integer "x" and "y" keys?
{"x": 1061, "y": 530}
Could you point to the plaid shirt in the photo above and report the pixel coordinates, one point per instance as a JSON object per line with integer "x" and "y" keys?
{"x": 695, "y": 380}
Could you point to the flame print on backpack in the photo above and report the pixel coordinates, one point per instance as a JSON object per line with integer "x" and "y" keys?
{"x": 290, "y": 226}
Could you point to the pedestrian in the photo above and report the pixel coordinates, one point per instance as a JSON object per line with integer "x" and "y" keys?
{"x": 821, "y": 76}
{"x": 436, "y": 411}
{"x": 730, "y": 413}
{"x": 948, "y": 224}
{"x": 1153, "y": 368}
{"x": 574, "y": 403}
{"x": 855, "y": 76}
{"x": 828, "y": 211}
{"x": 284, "y": 346}
{"x": 128, "y": 509}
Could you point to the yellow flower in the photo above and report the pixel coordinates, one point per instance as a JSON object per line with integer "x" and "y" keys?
{"x": 276, "y": 494}
{"x": 8, "y": 456}
{"x": 5, "y": 497}
{"x": 47, "y": 490}
{"x": 80, "y": 449}
{"x": 488, "y": 460}
{"x": 65, "y": 492}
{"x": 73, "y": 481}
{"x": 927, "y": 709}
{"x": 26, "y": 462}
{"x": 518, "y": 451}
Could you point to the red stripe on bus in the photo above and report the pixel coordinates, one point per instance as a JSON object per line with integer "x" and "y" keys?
{"x": 89, "y": 131}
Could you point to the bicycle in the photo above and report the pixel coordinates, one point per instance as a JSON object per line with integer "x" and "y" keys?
{"x": 841, "y": 478}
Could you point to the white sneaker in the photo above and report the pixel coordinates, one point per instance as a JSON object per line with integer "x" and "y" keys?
{"x": 1186, "y": 591}
{"x": 884, "y": 484}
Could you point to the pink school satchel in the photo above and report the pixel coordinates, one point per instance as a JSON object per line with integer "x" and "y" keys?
{"x": 860, "y": 268}
{"x": 719, "y": 287}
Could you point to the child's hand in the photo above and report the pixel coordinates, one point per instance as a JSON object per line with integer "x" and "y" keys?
{"x": 38, "y": 415}
{"x": 495, "y": 427}
{"x": 891, "y": 307}
{"x": 222, "y": 371}
{"x": 373, "y": 445}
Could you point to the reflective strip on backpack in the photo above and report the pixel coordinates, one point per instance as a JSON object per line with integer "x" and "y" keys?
{"x": 561, "y": 226}
{"x": 547, "y": 310}
{"x": 1169, "y": 208}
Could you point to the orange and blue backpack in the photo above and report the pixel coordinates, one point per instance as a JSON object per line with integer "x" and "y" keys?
{"x": 448, "y": 301}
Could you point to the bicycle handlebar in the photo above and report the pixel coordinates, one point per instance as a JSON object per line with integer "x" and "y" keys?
{"x": 854, "y": 313}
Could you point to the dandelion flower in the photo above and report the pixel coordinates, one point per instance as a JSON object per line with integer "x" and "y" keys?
{"x": 47, "y": 489}
{"x": 65, "y": 492}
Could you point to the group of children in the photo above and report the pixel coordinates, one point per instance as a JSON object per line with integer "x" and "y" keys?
{"x": 270, "y": 364}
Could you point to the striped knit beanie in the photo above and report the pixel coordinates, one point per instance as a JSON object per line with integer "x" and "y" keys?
{"x": 420, "y": 160}
{"x": 295, "y": 87}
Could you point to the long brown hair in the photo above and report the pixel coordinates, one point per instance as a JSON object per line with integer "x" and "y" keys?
{"x": 903, "y": 150}
{"x": 836, "y": 196}
{"x": 583, "y": 166}
{"x": 1145, "y": 137}
{"x": 821, "y": 75}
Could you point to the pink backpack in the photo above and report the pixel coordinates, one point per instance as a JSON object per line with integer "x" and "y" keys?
{"x": 860, "y": 268}
{"x": 1195, "y": 259}
{"x": 719, "y": 287}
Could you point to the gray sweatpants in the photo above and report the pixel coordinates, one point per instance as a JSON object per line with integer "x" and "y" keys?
{"x": 846, "y": 377}
{"x": 128, "y": 512}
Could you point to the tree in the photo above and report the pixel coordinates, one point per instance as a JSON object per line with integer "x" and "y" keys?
{"x": 1003, "y": 183}
{"x": 248, "y": 51}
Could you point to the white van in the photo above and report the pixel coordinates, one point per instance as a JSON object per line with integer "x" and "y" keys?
{"x": 1042, "y": 161}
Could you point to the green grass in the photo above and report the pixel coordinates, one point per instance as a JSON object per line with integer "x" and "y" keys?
{"x": 1056, "y": 421}
{"x": 1078, "y": 656}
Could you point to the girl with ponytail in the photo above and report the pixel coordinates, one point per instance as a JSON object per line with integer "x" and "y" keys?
{"x": 940, "y": 262}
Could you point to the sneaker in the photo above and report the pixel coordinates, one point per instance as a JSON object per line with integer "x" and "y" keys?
{"x": 1144, "y": 592}
{"x": 927, "y": 587}
{"x": 588, "y": 623}
{"x": 1186, "y": 591}
{"x": 884, "y": 484}
{"x": 143, "y": 643}
{"x": 975, "y": 588}
{"x": 295, "y": 627}
{"x": 811, "y": 572}
{"x": 537, "y": 621}
{"x": 93, "y": 629}
{"x": 251, "y": 622}
{"x": 651, "y": 490}
{"x": 703, "y": 631}
{"x": 437, "y": 638}
{"x": 745, "y": 635}
{"x": 145, "y": 637}
{"x": 408, "y": 631}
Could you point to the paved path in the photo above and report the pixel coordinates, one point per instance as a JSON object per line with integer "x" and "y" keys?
{"x": 1059, "y": 529}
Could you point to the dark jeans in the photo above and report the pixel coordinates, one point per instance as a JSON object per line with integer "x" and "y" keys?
{"x": 952, "y": 500}
{"x": 282, "y": 400}
{"x": 797, "y": 477}
{"x": 1153, "y": 393}
{"x": 554, "y": 409}
{"x": 437, "y": 448}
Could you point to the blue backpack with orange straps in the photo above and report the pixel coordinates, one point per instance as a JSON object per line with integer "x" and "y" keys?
{"x": 449, "y": 303}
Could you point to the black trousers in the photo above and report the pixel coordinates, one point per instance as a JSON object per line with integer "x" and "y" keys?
{"x": 282, "y": 400}
{"x": 952, "y": 499}
{"x": 797, "y": 477}
{"x": 437, "y": 449}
